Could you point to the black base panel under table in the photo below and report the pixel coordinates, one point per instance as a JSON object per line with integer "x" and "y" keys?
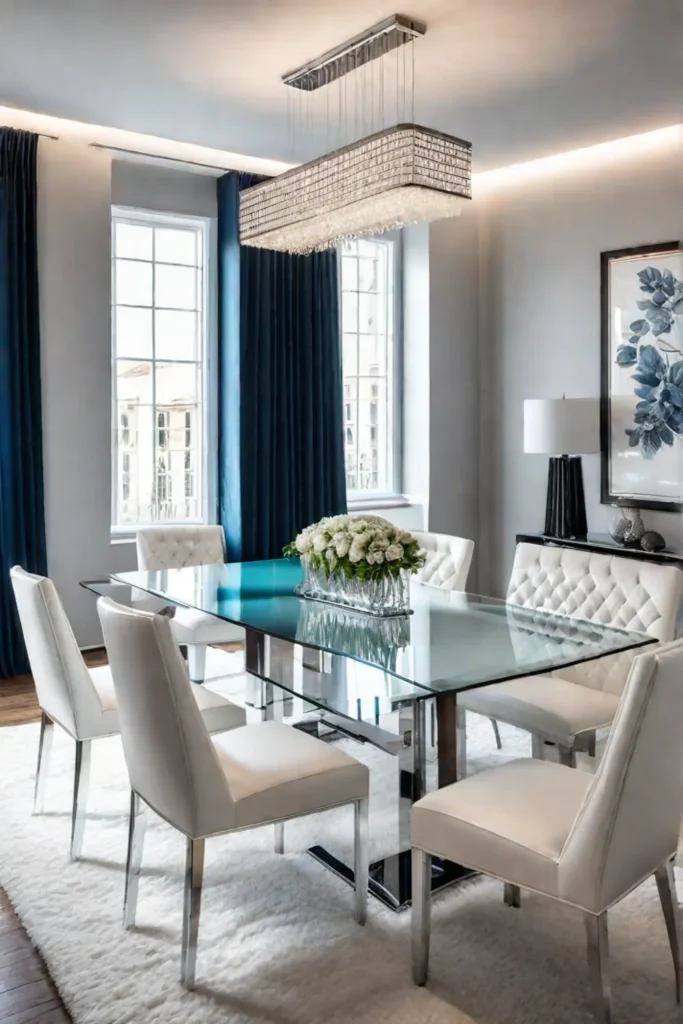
{"x": 390, "y": 879}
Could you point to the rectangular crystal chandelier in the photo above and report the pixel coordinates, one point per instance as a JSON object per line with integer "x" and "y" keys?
{"x": 388, "y": 179}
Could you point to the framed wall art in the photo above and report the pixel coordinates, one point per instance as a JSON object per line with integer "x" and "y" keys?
{"x": 641, "y": 408}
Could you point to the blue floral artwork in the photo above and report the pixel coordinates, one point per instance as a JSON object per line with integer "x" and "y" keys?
{"x": 650, "y": 346}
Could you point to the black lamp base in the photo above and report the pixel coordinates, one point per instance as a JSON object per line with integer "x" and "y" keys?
{"x": 565, "y": 510}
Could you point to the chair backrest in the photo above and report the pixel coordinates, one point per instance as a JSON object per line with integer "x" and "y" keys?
{"x": 172, "y": 547}
{"x": 627, "y": 593}
{"x": 63, "y": 683}
{"x": 630, "y": 820}
{"x": 448, "y": 560}
{"x": 171, "y": 761}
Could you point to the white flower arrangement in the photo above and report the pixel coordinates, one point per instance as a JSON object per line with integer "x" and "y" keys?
{"x": 366, "y": 547}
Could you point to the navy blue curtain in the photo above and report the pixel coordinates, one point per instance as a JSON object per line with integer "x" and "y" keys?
{"x": 281, "y": 442}
{"x": 22, "y": 520}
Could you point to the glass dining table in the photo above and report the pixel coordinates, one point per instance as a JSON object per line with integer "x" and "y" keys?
{"x": 413, "y": 668}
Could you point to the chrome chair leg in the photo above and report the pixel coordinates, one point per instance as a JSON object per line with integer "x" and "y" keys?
{"x": 511, "y": 895}
{"x": 47, "y": 729}
{"x": 80, "y": 804}
{"x": 279, "y": 837}
{"x": 496, "y": 733}
{"x": 196, "y": 662}
{"x": 598, "y": 965}
{"x": 666, "y": 884}
{"x": 136, "y": 839}
{"x": 567, "y": 756}
{"x": 461, "y": 743}
{"x": 194, "y": 873}
{"x": 361, "y": 859}
{"x": 421, "y": 914}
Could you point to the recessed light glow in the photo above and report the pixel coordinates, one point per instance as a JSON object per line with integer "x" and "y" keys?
{"x": 136, "y": 142}
{"x": 590, "y": 156}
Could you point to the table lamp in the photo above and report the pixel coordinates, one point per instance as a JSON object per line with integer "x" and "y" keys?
{"x": 566, "y": 429}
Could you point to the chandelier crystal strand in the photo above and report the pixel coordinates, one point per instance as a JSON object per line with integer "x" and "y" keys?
{"x": 388, "y": 178}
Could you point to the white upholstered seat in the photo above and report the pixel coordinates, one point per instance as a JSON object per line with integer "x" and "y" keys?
{"x": 173, "y": 547}
{"x": 447, "y": 561}
{"x": 567, "y": 706}
{"x": 81, "y": 700}
{"x": 586, "y": 840}
{"x": 257, "y": 775}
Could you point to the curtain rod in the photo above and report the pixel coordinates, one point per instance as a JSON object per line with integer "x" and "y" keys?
{"x": 139, "y": 152}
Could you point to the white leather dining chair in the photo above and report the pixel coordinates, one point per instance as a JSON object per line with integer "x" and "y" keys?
{"x": 206, "y": 786}
{"x": 79, "y": 699}
{"x": 173, "y": 547}
{"x": 584, "y": 840}
{"x": 566, "y": 707}
{"x": 447, "y": 560}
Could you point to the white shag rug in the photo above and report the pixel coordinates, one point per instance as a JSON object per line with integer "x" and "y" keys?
{"x": 277, "y": 942}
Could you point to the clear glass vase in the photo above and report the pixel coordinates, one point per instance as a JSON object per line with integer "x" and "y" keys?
{"x": 389, "y": 595}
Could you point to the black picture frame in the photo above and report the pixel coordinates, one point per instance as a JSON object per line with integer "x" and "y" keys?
{"x": 606, "y": 495}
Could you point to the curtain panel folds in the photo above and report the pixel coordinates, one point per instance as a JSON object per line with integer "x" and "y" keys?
{"x": 22, "y": 518}
{"x": 281, "y": 442}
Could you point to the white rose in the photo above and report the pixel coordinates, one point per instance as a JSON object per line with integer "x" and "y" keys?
{"x": 379, "y": 557}
{"x": 394, "y": 553}
{"x": 403, "y": 536}
{"x": 342, "y": 546}
{"x": 356, "y": 553}
{"x": 320, "y": 542}
{"x": 303, "y": 543}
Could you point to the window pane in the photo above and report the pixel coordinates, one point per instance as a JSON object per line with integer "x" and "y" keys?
{"x": 133, "y": 332}
{"x": 349, "y": 273}
{"x": 372, "y": 355}
{"x": 176, "y": 246}
{"x": 368, "y": 312}
{"x": 175, "y": 287}
{"x": 176, "y": 385}
{"x": 349, "y": 311}
{"x": 133, "y": 381}
{"x": 350, "y": 354}
{"x": 368, "y": 275}
{"x": 133, "y": 283}
{"x": 133, "y": 241}
{"x": 176, "y": 334}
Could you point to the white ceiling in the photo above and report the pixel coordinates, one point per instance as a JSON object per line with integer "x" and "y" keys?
{"x": 519, "y": 78}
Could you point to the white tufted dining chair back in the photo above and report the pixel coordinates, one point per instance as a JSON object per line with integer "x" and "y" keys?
{"x": 627, "y": 593}
{"x": 172, "y": 547}
{"x": 448, "y": 560}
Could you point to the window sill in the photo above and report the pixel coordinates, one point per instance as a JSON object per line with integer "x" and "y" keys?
{"x": 380, "y": 502}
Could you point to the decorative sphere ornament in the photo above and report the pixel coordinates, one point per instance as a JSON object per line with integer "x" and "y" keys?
{"x": 652, "y": 541}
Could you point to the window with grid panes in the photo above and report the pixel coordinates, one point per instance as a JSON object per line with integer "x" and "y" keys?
{"x": 369, "y": 357}
{"x": 159, "y": 352}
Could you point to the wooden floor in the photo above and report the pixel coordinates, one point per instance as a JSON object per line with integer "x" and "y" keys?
{"x": 27, "y": 994}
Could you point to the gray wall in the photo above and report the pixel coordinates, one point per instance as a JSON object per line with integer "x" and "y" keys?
{"x": 540, "y": 251}
{"x": 74, "y": 215}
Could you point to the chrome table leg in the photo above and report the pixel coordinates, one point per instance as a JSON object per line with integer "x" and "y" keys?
{"x": 136, "y": 839}
{"x": 361, "y": 859}
{"x": 421, "y": 914}
{"x": 47, "y": 729}
{"x": 80, "y": 802}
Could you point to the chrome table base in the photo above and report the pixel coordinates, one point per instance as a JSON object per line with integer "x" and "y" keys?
{"x": 276, "y": 665}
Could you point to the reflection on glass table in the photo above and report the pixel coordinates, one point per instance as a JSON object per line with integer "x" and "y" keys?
{"x": 356, "y": 669}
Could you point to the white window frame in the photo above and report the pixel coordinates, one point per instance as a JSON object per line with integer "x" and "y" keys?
{"x": 392, "y": 497}
{"x": 125, "y": 532}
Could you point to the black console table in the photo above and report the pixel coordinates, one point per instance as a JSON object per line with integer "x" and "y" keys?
{"x": 602, "y": 542}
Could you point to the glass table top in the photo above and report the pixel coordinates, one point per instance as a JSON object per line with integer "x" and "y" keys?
{"x": 452, "y": 641}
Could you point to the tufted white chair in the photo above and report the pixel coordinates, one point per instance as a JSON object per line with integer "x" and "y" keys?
{"x": 173, "y": 547}
{"x": 585, "y": 840}
{"x": 79, "y": 699}
{"x": 254, "y": 776}
{"x": 567, "y": 706}
{"x": 447, "y": 562}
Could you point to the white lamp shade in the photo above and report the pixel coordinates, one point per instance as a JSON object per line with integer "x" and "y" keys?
{"x": 561, "y": 426}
